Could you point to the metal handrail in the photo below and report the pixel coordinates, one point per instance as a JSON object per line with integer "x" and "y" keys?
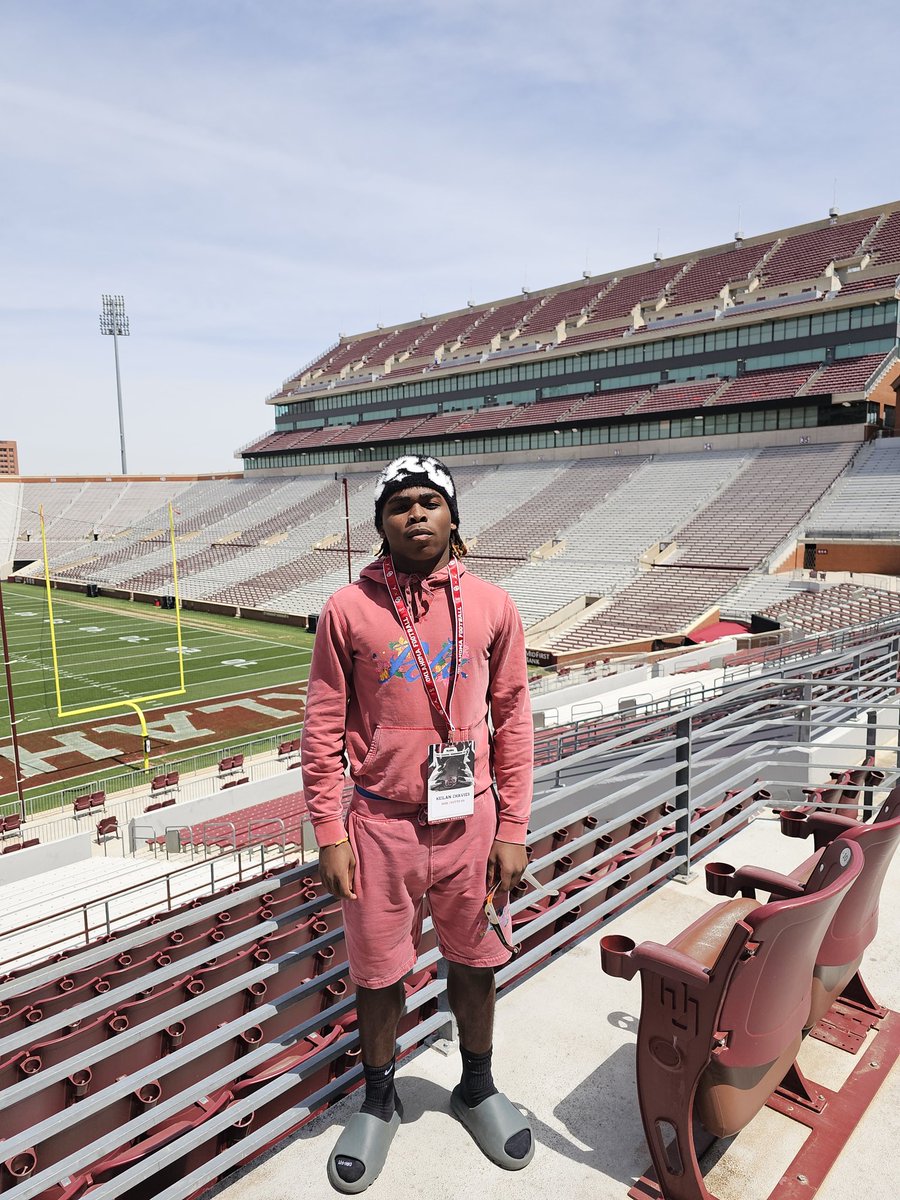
{"x": 268, "y": 821}
{"x": 81, "y": 910}
{"x": 212, "y": 824}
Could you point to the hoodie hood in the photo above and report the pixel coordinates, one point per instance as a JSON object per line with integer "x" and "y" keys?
{"x": 418, "y": 590}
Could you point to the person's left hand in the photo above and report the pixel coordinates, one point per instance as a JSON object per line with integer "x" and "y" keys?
{"x": 507, "y": 862}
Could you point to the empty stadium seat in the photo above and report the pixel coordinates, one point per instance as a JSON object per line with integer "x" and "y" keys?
{"x": 290, "y": 1061}
{"x": 89, "y": 803}
{"x": 837, "y": 973}
{"x": 10, "y": 825}
{"x": 108, "y": 827}
{"x": 723, "y": 1009}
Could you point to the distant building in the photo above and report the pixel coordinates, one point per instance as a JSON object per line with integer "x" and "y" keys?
{"x": 9, "y": 459}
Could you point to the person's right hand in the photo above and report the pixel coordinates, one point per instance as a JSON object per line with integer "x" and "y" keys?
{"x": 337, "y": 869}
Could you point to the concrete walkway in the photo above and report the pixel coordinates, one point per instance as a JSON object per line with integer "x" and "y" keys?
{"x": 564, "y": 1051}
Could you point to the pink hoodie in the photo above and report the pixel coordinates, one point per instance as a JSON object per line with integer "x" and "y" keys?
{"x": 366, "y": 694}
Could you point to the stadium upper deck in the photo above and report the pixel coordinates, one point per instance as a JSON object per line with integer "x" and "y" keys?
{"x": 808, "y": 312}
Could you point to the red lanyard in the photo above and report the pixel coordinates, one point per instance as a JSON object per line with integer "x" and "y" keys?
{"x": 403, "y": 616}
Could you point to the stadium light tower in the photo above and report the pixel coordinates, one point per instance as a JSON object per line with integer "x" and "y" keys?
{"x": 114, "y": 323}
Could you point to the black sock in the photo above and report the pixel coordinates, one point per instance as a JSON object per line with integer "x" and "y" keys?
{"x": 381, "y": 1101}
{"x": 477, "y": 1081}
{"x": 477, "y": 1084}
{"x": 381, "y": 1097}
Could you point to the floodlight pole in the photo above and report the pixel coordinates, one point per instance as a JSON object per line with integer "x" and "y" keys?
{"x": 114, "y": 322}
{"x": 12, "y": 708}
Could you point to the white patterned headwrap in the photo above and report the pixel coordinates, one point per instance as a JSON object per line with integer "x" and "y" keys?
{"x": 415, "y": 464}
{"x": 409, "y": 470}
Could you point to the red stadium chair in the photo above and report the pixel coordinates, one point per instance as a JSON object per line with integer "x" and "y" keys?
{"x": 723, "y": 1011}
{"x": 108, "y": 827}
{"x": 10, "y": 825}
{"x": 291, "y": 1060}
{"x": 842, "y": 1008}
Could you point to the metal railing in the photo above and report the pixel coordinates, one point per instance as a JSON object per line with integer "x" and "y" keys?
{"x": 133, "y": 780}
{"x": 689, "y": 778}
{"x": 80, "y": 925}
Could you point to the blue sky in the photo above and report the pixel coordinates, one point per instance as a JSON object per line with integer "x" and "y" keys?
{"x": 257, "y": 175}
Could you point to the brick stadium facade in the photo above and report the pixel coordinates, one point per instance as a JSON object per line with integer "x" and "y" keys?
{"x": 9, "y": 458}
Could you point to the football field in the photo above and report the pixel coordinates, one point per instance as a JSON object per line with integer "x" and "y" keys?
{"x": 111, "y": 651}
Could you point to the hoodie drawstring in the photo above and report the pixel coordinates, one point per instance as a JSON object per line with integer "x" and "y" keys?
{"x": 418, "y": 595}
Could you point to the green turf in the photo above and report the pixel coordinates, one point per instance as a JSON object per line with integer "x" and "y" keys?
{"x": 114, "y": 650}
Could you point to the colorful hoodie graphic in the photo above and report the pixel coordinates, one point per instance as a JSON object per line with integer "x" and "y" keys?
{"x": 365, "y": 692}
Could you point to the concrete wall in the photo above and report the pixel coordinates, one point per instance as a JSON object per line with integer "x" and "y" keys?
{"x": 865, "y": 557}
{"x": 47, "y": 857}
{"x": 562, "y": 699}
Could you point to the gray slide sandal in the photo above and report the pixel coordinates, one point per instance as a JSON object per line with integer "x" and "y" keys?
{"x": 492, "y": 1123}
{"x": 366, "y": 1139}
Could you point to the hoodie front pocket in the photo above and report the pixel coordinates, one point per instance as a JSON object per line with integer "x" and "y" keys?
{"x": 373, "y": 749}
{"x": 396, "y": 763}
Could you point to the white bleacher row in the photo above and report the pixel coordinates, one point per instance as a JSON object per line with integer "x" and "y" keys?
{"x": 92, "y": 507}
{"x": 564, "y": 494}
{"x": 749, "y": 520}
{"x": 248, "y": 561}
{"x": 867, "y": 499}
{"x": 477, "y": 485}
{"x": 245, "y": 565}
{"x": 603, "y": 546}
{"x": 657, "y": 602}
{"x": 746, "y": 521}
{"x": 56, "y": 499}
{"x": 217, "y": 511}
{"x": 625, "y": 526}
{"x": 310, "y": 597}
{"x": 73, "y": 510}
{"x": 156, "y": 554}
{"x": 209, "y": 583}
{"x": 59, "y": 891}
{"x": 209, "y": 501}
{"x": 234, "y": 560}
{"x": 195, "y": 500}
{"x": 265, "y": 502}
{"x": 140, "y": 497}
{"x": 841, "y": 606}
{"x": 503, "y": 491}
{"x": 198, "y": 505}
{"x": 486, "y": 496}
{"x": 96, "y": 563}
{"x": 209, "y": 510}
{"x": 608, "y": 511}
{"x": 754, "y": 593}
{"x": 264, "y": 499}
{"x": 10, "y": 506}
{"x": 543, "y": 586}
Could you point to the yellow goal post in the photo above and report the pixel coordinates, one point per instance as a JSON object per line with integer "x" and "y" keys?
{"x": 134, "y": 702}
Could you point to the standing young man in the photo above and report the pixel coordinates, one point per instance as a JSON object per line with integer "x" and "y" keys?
{"x": 409, "y": 663}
